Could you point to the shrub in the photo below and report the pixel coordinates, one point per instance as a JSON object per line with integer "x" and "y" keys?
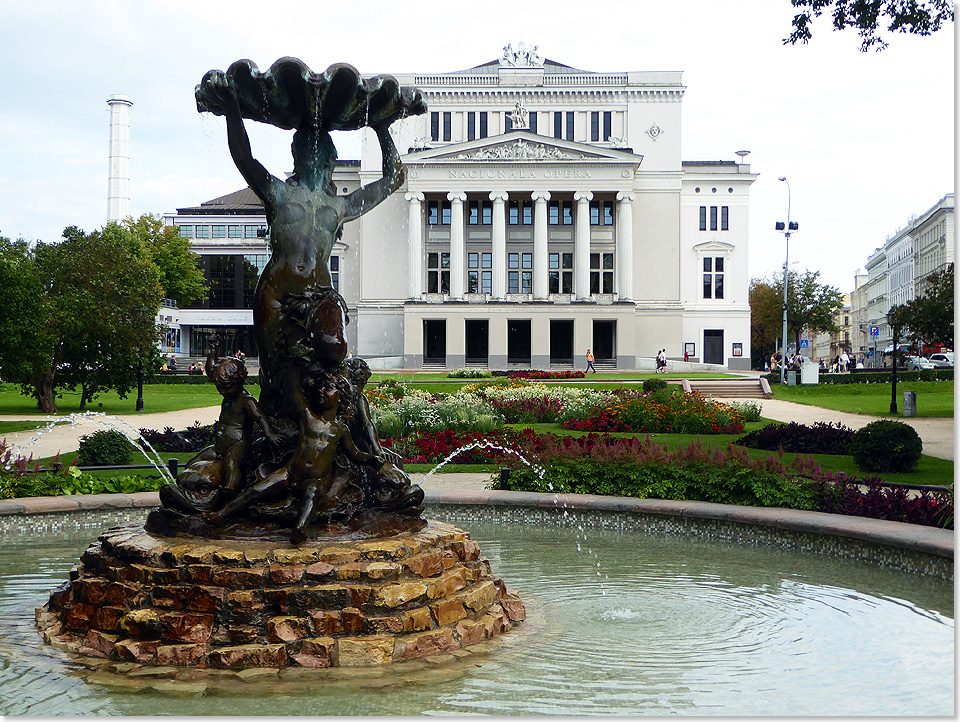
{"x": 107, "y": 447}
{"x": 797, "y": 438}
{"x": 749, "y": 410}
{"x": 466, "y": 373}
{"x": 886, "y": 446}
{"x": 192, "y": 439}
{"x": 651, "y": 385}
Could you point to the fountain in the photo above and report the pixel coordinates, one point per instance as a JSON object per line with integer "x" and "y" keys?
{"x": 305, "y": 545}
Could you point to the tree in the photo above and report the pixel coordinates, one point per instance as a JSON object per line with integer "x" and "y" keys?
{"x": 766, "y": 319}
{"x": 929, "y": 317}
{"x": 917, "y": 17}
{"x": 811, "y": 306}
{"x": 180, "y": 273}
{"x": 96, "y": 298}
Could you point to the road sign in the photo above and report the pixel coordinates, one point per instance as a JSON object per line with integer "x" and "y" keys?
{"x": 874, "y": 330}
{"x": 804, "y": 343}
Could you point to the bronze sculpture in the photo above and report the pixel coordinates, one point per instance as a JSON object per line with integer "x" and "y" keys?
{"x": 320, "y": 465}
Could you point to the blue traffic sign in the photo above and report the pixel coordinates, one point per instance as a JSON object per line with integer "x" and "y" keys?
{"x": 874, "y": 330}
{"x": 804, "y": 343}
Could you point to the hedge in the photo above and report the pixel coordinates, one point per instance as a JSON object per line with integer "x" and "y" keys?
{"x": 874, "y": 377}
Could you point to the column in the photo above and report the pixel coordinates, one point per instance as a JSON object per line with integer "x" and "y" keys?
{"x": 625, "y": 245}
{"x": 581, "y": 246}
{"x": 499, "y": 288}
{"x": 457, "y": 273}
{"x": 541, "y": 287}
{"x": 414, "y": 244}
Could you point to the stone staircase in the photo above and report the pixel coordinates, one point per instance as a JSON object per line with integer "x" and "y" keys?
{"x": 727, "y": 388}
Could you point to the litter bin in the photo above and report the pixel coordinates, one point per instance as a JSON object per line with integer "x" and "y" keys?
{"x": 909, "y": 403}
{"x": 791, "y": 378}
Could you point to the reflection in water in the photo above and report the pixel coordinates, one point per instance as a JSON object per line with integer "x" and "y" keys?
{"x": 670, "y": 626}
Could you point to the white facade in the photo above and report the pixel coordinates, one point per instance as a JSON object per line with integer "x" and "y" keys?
{"x": 546, "y": 211}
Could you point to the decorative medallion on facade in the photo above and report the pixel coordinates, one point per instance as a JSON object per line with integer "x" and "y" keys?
{"x": 521, "y": 57}
{"x": 519, "y": 150}
{"x": 654, "y": 131}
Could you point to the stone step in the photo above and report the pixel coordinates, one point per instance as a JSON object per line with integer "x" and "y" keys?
{"x": 748, "y": 389}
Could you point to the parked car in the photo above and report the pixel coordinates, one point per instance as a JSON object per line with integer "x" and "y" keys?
{"x": 942, "y": 360}
{"x": 919, "y": 363}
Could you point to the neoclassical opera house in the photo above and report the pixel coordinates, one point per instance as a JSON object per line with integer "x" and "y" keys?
{"x": 546, "y": 211}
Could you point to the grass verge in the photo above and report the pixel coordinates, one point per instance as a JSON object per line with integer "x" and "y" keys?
{"x": 934, "y": 398}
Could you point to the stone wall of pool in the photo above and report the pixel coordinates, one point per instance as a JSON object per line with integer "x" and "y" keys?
{"x": 925, "y": 551}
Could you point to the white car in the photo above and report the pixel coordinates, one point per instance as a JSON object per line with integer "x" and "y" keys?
{"x": 919, "y": 363}
{"x": 942, "y": 360}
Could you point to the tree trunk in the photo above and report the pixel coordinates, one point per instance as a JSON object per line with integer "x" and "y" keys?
{"x": 43, "y": 389}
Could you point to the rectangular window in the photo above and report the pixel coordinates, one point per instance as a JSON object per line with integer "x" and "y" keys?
{"x": 601, "y": 213}
{"x": 507, "y": 122}
{"x": 557, "y": 124}
{"x": 520, "y": 212}
{"x": 186, "y": 231}
{"x": 724, "y": 218}
{"x": 473, "y": 213}
{"x": 218, "y": 231}
{"x": 203, "y": 231}
{"x": 447, "y": 123}
{"x": 438, "y": 273}
{"x": 471, "y": 126}
{"x": 607, "y": 124}
{"x": 435, "y": 126}
{"x": 438, "y": 213}
{"x": 566, "y": 213}
{"x": 713, "y": 277}
{"x": 569, "y": 134}
{"x": 553, "y": 213}
{"x": 713, "y": 218}
{"x": 233, "y": 231}
{"x": 486, "y": 213}
{"x": 601, "y": 273}
{"x": 595, "y": 125}
{"x": 526, "y": 213}
{"x": 486, "y": 260}
{"x": 335, "y": 272}
{"x": 533, "y": 121}
{"x": 560, "y": 273}
{"x": 250, "y": 232}
{"x": 483, "y": 124}
{"x": 486, "y": 282}
{"x": 480, "y": 213}
{"x": 513, "y": 213}
{"x": 703, "y": 218}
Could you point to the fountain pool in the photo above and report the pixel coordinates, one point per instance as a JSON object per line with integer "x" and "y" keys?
{"x": 619, "y": 622}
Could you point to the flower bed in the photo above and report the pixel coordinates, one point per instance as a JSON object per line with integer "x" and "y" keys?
{"x": 662, "y": 412}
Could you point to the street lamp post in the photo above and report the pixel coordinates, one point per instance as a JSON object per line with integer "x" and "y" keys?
{"x": 787, "y": 228}
{"x": 891, "y": 320}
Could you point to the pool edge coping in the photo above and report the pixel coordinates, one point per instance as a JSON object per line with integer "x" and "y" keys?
{"x": 923, "y": 539}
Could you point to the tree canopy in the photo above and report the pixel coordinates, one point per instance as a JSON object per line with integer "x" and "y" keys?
{"x": 928, "y": 318}
{"x": 180, "y": 274}
{"x": 82, "y": 313}
{"x": 811, "y": 306}
{"x": 917, "y": 17}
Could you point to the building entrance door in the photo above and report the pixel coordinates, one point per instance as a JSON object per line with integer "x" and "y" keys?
{"x": 477, "y": 342}
{"x": 435, "y": 342}
{"x": 605, "y": 340}
{"x": 561, "y": 343}
{"x": 518, "y": 342}
{"x": 713, "y": 346}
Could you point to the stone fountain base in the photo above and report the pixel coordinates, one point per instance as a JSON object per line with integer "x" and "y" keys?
{"x": 170, "y": 601}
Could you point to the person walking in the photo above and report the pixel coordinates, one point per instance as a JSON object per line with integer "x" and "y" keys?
{"x": 590, "y": 360}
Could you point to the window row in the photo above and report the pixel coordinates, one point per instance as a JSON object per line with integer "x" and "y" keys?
{"x": 563, "y": 124}
{"x": 223, "y": 231}
{"x": 232, "y": 279}
{"x": 520, "y": 273}
{"x": 721, "y": 213}
{"x": 520, "y": 213}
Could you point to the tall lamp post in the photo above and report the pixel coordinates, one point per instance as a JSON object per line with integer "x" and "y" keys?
{"x": 141, "y": 312}
{"x": 891, "y": 321}
{"x": 786, "y": 228}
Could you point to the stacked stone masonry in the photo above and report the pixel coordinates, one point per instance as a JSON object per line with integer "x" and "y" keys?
{"x": 238, "y": 604}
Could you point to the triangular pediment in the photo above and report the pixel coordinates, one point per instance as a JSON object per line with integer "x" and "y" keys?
{"x": 714, "y": 246}
{"x": 520, "y": 146}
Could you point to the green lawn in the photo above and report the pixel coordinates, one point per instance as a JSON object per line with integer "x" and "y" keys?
{"x": 157, "y": 398}
{"x": 934, "y": 398}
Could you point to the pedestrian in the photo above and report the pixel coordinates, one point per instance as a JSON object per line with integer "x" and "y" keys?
{"x": 686, "y": 356}
{"x": 844, "y": 361}
{"x": 590, "y": 360}
{"x": 172, "y": 364}
{"x": 662, "y": 361}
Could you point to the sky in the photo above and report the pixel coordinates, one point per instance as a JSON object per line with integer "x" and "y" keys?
{"x": 865, "y": 140}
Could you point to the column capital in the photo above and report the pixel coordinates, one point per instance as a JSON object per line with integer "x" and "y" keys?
{"x": 626, "y": 196}
{"x": 454, "y": 196}
{"x": 583, "y": 196}
{"x": 414, "y": 196}
{"x": 499, "y": 196}
{"x": 540, "y": 196}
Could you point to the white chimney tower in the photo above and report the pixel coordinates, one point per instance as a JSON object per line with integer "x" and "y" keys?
{"x": 118, "y": 186}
